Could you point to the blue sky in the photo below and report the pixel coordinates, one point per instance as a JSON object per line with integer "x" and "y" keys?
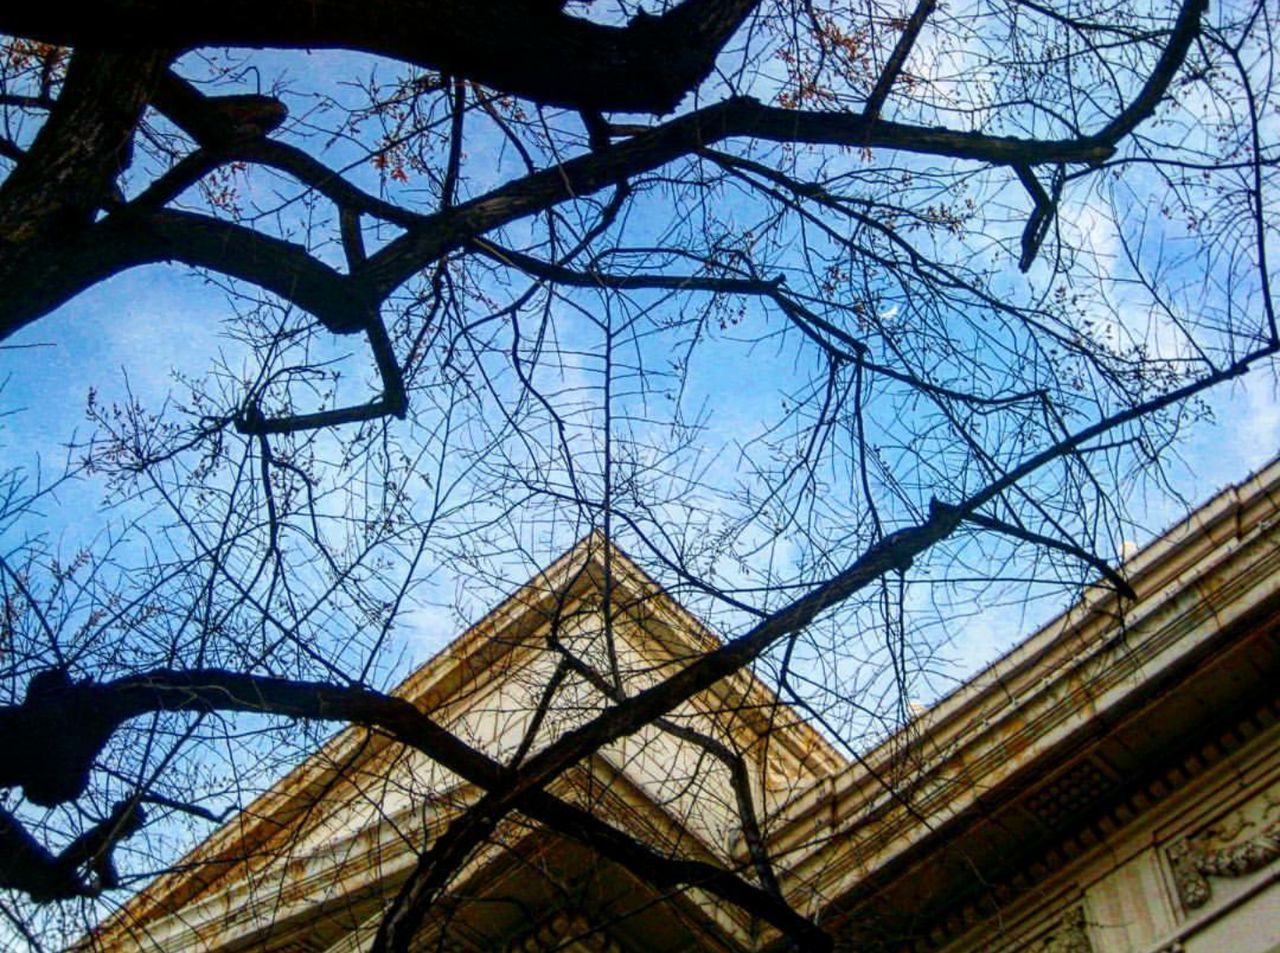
{"x": 149, "y": 324}
{"x": 138, "y": 332}
{"x": 135, "y": 331}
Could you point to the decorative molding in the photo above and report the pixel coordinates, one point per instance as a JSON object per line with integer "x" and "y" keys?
{"x": 1069, "y": 793}
{"x": 1024, "y": 712}
{"x": 1069, "y": 935}
{"x": 565, "y": 930}
{"x": 1203, "y": 761}
{"x": 1242, "y": 842}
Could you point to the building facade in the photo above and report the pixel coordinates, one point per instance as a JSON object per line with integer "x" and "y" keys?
{"x": 1112, "y": 785}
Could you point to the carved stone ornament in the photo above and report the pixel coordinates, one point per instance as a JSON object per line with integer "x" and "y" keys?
{"x": 567, "y": 931}
{"x": 1244, "y": 841}
{"x": 1068, "y": 936}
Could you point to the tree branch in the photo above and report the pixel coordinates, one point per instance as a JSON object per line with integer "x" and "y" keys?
{"x": 647, "y": 66}
{"x": 1041, "y": 214}
{"x": 898, "y": 58}
{"x": 26, "y": 865}
{"x": 52, "y": 194}
{"x": 62, "y": 725}
{"x": 1185, "y": 30}
{"x": 740, "y": 779}
{"x": 894, "y": 552}
{"x": 136, "y": 236}
{"x": 217, "y": 121}
{"x": 1039, "y": 539}
{"x": 445, "y": 231}
{"x": 71, "y": 167}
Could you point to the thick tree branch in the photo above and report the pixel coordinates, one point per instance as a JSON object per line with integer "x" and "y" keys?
{"x": 235, "y": 128}
{"x": 898, "y": 58}
{"x": 1186, "y": 28}
{"x": 9, "y": 150}
{"x": 26, "y": 865}
{"x": 448, "y": 230}
{"x": 134, "y": 237}
{"x": 49, "y": 199}
{"x": 392, "y": 402}
{"x": 62, "y": 725}
{"x": 69, "y": 172}
{"x": 343, "y": 305}
{"x": 70, "y": 169}
{"x": 740, "y": 778}
{"x": 667, "y": 872}
{"x": 1045, "y": 206}
{"x": 515, "y": 46}
{"x": 217, "y": 121}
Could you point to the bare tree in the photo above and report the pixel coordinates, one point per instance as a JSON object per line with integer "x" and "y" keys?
{"x": 821, "y": 313}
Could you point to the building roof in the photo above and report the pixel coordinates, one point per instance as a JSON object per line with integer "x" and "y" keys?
{"x": 189, "y": 907}
{"x": 1026, "y": 766}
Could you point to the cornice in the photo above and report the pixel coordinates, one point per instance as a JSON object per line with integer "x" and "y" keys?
{"x": 1193, "y": 584}
{"x": 1246, "y": 745}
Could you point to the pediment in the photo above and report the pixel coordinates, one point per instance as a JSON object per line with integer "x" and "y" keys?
{"x": 341, "y": 829}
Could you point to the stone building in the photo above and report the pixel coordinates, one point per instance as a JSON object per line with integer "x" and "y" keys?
{"x": 1111, "y": 785}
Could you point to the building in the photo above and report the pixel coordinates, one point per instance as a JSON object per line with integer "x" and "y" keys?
{"x": 1112, "y": 785}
